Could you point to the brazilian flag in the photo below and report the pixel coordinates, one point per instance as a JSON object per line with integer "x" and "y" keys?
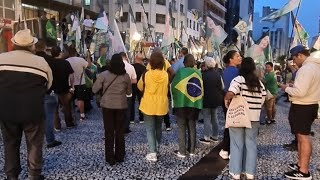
{"x": 50, "y": 30}
{"x": 187, "y": 88}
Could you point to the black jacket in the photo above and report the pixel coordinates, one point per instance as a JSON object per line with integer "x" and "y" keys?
{"x": 213, "y": 92}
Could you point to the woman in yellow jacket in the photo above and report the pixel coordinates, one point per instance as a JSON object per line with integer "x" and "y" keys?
{"x": 154, "y": 103}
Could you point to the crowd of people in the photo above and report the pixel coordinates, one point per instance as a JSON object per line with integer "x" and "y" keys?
{"x": 37, "y": 84}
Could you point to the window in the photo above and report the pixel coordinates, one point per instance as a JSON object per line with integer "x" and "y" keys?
{"x": 181, "y": 24}
{"x": 144, "y": 1}
{"x": 197, "y": 26}
{"x": 187, "y": 22}
{"x": 174, "y": 5}
{"x": 194, "y": 25}
{"x": 161, "y": 2}
{"x": 181, "y": 8}
{"x": 7, "y": 10}
{"x": 87, "y": 2}
{"x": 160, "y": 18}
{"x": 190, "y": 23}
{"x": 8, "y": 4}
{"x": 173, "y": 21}
{"x": 124, "y": 18}
{"x": 138, "y": 16}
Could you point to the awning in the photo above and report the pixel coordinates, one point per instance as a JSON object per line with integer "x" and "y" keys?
{"x": 62, "y": 8}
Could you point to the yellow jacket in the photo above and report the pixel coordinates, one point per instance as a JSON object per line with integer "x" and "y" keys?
{"x": 155, "y": 97}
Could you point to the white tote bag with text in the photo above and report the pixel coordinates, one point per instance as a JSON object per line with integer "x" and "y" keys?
{"x": 238, "y": 113}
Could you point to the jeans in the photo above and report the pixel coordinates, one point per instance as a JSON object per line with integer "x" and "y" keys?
{"x": 226, "y": 136}
{"x": 65, "y": 99}
{"x": 50, "y": 102}
{"x": 128, "y": 113}
{"x": 243, "y": 149}
{"x": 154, "y": 131}
{"x": 210, "y": 123}
{"x": 183, "y": 125}
{"x": 136, "y": 94}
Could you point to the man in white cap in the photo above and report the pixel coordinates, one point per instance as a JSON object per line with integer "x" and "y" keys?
{"x": 24, "y": 81}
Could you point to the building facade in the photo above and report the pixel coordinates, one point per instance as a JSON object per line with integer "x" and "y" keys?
{"x": 215, "y": 9}
{"x": 236, "y": 10}
{"x": 278, "y": 31}
{"x": 156, "y": 11}
{"x": 193, "y": 26}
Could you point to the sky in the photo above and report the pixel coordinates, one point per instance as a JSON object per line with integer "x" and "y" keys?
{"x": 308, "y": 14}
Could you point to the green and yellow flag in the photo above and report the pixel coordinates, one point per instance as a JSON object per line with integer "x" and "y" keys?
{"x": 187, "y": 88}
{"x": 51, "y": 31}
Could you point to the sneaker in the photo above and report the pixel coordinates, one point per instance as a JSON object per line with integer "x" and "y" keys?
{"x": 269, "y": 122}
{"x": 168, "y": 129}
{"x": 179, "y": 154}
{"x": 296, "y": 174}
{"x": 152, "y": 157}
{"x": 235, "y": 176}
{"x": 82, "y": 119}
{"x": 131, "y": 122}
{"x": 54, "y": 144}
{"x": 224, "y": 154}
{"x": 249, "y": 176}
{"x": 192, "y": 154}
{"x": 39, "y": 177}
{"x": 71, "y": 126}
{"x": 273, "y": 121}
{"x": 215, "y": 140}
{"x": 204, "y": 141}
{"x": 141, "y": 122}
{"x": 294, "y": 167}
{"x": 57, "y": 129}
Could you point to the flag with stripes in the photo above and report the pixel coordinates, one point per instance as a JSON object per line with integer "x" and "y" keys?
{"x": 102, "y": 22}
{"x": 290, "y": 6}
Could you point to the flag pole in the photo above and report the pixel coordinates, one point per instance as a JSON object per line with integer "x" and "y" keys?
{"x": 144, "y": 10}
{"x": 285, "y": 77}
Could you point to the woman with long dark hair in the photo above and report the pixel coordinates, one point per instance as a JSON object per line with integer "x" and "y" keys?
{"x": 115, "y": 84}
{"x": 243, "y": 141}
{"x": 232, "y": 60}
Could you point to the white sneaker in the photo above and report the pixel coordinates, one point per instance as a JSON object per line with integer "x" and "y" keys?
{"x": 235, "y": 176}
{"x": 224, "y": 154}
{"x": 152, "y": 157}
{"x": 249, "y": 176}
{"x": 179, "y": 154}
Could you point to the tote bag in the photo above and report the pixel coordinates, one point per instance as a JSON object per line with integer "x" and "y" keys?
{"x": 238, "y": 113}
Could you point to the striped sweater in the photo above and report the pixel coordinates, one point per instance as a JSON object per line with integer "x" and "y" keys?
{"x": 255, "y": 99}
{"x": 24, "y": 80}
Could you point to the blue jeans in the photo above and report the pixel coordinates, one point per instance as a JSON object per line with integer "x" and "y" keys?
{"x": 154, "y": 131}
{"x": 243, "y": 149}
{"x": 50, "y": 105}
{"x": 210, "y": 123}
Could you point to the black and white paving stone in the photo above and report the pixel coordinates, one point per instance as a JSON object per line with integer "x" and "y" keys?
{"x": 81, "y": 156}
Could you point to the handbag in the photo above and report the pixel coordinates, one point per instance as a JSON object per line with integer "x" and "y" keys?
{"x": 238, "y": 113}
{"x": 99, "y": 94}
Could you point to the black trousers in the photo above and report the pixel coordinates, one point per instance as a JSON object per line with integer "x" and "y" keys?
{"x": 114, "y": 128}
{"x": 136, "y": 94}
{"x": 226, "y": 135}
{"x": 12, "y": 134}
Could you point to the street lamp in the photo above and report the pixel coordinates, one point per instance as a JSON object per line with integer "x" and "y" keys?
{"x": 136, "y": 36}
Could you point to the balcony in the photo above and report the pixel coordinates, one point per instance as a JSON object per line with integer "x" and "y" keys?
{"x": 220, "y": 6}
{"x": 218, "y": 18}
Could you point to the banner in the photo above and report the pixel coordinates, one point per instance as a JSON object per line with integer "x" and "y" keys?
{"x": 290, "y": 6}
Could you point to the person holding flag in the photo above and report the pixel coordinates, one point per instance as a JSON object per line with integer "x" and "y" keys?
{"x": 187, "y": 96}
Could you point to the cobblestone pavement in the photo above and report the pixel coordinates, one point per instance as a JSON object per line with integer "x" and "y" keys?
{"x": 81, "y": 156}
{"x": 273, "y": 159}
